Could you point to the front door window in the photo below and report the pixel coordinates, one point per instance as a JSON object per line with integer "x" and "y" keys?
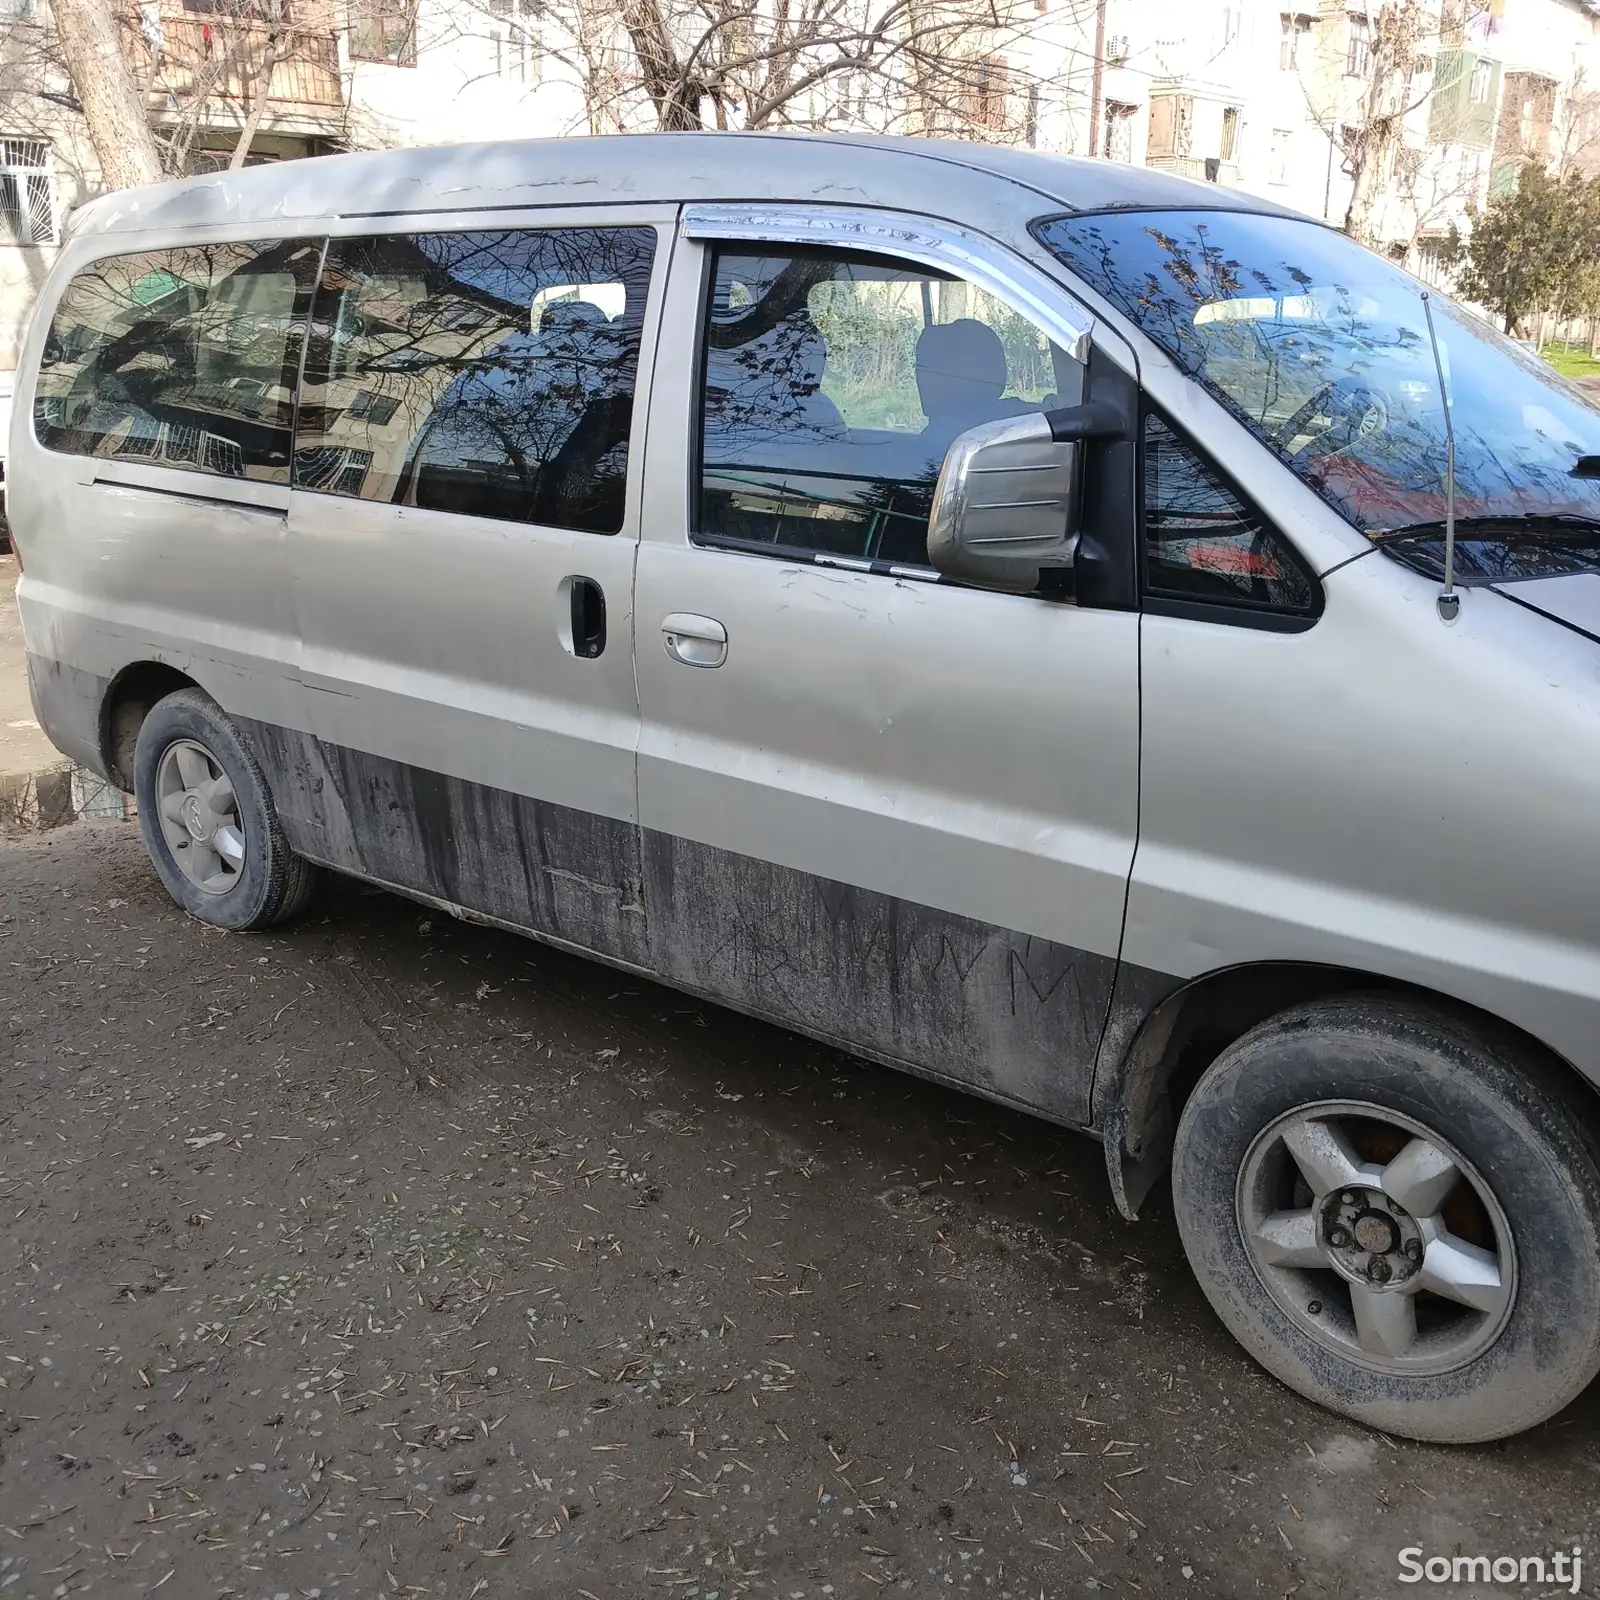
{"x": 834, "y": 385}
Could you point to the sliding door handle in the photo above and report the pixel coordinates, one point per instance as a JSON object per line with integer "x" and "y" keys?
{"x": 581, "y": 617}
{"x": 695, "y": 641}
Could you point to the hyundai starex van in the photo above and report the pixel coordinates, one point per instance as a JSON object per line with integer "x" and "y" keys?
{"x": 1106, "y": 643}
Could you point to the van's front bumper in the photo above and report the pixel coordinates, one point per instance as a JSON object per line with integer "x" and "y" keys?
{"x": 69, "y": 703}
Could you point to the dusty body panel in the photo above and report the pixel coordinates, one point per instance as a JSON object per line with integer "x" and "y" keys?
{"x": 1427, "y": 817}
{"x": 1000, "y": 1012}
{"x": 941, "y": 851}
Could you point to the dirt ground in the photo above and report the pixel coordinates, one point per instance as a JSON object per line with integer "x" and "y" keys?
{"x": 387, "y": 1255}
{"x": 23, "y": 747}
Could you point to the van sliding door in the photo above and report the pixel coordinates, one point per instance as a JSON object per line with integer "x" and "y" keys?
{"x": 462, "y": 530}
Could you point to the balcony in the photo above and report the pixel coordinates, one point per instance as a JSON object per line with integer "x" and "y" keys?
{"x": 1205, "y": 169}
{"x": 215, "y": 52}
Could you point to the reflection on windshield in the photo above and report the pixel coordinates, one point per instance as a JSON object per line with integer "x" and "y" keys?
{"x": 1322, "y": 349}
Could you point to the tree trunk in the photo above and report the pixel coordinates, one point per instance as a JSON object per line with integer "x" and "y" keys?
{"x": 1380, "y": 127}
{"x": 677, "y": 102}
{"x": 260, "y": 92}
{"x": 1368, "y": 164}
{"x": 113, "y": 107}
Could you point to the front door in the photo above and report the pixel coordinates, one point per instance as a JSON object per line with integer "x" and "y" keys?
{"x": 874, "y": 805}
{"x": 463, "y": 524}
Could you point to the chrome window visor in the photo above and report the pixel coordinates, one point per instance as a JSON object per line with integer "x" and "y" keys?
{"x": 939, "y": 245}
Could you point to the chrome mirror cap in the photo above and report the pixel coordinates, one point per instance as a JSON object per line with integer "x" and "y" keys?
{"x": 1005, "y": 505}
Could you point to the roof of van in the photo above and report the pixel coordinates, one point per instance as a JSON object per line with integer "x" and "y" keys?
{"x": 948, "y": 178}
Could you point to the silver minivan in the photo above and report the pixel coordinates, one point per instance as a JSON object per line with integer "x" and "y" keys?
{"x": 1100, "y": 641}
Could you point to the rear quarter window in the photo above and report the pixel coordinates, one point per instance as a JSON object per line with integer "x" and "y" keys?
{"x": 184, "y": 357}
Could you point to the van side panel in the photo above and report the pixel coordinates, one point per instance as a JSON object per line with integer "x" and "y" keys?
{"x": 989, "y": 1009}
{"x": 544, "y": 868}
{"x": 69, "y": 706}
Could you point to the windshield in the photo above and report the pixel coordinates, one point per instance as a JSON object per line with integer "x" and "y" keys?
{"x": 1322, "y": 349}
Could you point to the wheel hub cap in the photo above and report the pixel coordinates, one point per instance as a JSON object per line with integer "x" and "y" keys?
{"x": 1377, "y": 1237}
{"x": 198, "y": 814}
{"x": 197, "y": 818}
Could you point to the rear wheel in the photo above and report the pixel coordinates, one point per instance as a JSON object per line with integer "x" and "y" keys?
{"x": 1398, "y": 1214}
{"x": 208, "y": 820}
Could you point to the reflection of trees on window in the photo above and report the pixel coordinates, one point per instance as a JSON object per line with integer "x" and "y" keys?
{"x": 180, "y": 358}
{"x": 1322, "y": 349}
{"x": 485, "y": 373}
{"x": 834, "y": 385}
{"x": 1201, "y": 541}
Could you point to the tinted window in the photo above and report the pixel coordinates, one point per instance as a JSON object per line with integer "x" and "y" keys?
{"x": 182, "y": 358}
{"x": 1202, "y": 542}
{"x": 484, "y": 373}
{"x": 834, "y": 385}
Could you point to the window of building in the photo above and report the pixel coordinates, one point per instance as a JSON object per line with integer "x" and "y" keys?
{"x": 384, "y": 30}
{"x": 1200, "y": 540}
{"x": 1358, "y": 51}
{"x": 1119, "y": 130}
{"x": 1479, "y": 84}
{"x": 1230, "y": 133}
{"x": 1278, "y": 155}
{"x": 181, "y": 358}
{"x": 517, "y": 53}
{"x": 27, "y": 192}
{"x": 486, "y": 373}
{"x": 833, "y": 386}
{"x": 988, "y": 92}
{"x": 1293, "y": 28}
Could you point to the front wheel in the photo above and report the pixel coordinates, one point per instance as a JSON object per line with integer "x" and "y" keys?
{"x": 208, "y": 820}
{"x": 1398, "y": 1214}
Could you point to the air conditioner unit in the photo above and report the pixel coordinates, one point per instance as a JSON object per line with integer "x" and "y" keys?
{"x": 1116, "y": 49}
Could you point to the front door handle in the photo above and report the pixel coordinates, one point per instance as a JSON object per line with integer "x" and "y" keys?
{"x": 695, "y": 641}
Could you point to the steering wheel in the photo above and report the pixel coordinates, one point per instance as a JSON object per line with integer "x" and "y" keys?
{"x": 1357, "y": 409}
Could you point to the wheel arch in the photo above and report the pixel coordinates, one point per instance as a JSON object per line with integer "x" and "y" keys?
{"x": 127, "y": 702}
{"x": 1152, "y": 1061}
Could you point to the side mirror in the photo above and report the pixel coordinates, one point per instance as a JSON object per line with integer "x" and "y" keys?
{"x": 1005, "y": 508}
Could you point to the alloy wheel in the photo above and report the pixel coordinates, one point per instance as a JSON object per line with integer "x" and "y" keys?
{"x": 1377, "y": 1237}
{"x": 199, "y": 816}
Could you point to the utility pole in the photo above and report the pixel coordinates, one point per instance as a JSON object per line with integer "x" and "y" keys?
{"x": 1099, "y": 73}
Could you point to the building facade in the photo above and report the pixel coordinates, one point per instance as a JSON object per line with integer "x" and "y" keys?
{"x": 1397, "y": 118}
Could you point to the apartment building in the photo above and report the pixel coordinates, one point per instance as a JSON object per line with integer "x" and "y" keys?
{"x": 1279, "y": 97}
{"x": 343, "y": 74}
{"x": 1293, "y": 99}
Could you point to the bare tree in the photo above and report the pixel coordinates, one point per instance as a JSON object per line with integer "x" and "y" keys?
{"x": 1376, "y": 67}
{"x": 154, "y": 88}
{"x": 921, "y": 66}
{"x": 1399, "y": 32}
{"x": 1576, "y": 143}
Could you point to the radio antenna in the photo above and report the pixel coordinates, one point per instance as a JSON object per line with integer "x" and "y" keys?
{"x": 1449, "y": 600}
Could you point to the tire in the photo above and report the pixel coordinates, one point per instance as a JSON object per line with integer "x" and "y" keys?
{"x": 215, "y": 841}
{"x": 1364, "y": 1076}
